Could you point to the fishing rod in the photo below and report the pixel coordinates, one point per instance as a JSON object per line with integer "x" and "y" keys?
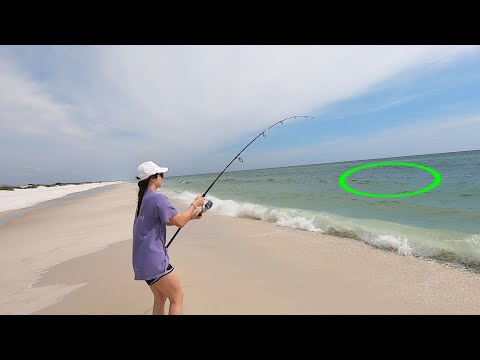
{"x": 208, "y": 205}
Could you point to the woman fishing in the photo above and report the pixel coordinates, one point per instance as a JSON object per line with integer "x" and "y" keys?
{"x": 150, "y": 256}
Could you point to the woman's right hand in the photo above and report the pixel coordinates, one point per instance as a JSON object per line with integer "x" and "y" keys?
{"x": 199, "y": 201}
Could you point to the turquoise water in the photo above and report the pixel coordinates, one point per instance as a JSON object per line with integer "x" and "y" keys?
{"x": 443, "y": 223}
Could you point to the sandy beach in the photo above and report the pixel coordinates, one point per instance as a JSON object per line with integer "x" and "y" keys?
{"x": 75, "y": 258}
{"x": 24, "y": 198}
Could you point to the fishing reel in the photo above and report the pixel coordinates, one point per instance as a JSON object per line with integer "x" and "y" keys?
{"x": 207, "y": 206}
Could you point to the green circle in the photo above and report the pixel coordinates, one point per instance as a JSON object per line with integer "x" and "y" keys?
{"x": 343, "y": 178}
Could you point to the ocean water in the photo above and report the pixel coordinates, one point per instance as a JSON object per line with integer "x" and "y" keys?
{"x": 442, "y": 224}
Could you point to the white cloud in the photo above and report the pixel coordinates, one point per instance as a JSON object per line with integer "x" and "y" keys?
{"x": 378, "y": 108}
{"x": 27, "y": 107}
{"x": 452, "y": 52}
{"x": 228, "y": 90}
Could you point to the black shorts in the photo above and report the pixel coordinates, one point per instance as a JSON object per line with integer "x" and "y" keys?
{"x": 154, "y": 280}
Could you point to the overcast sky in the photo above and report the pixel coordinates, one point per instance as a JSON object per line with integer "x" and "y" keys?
{"x": 94, "y": 113}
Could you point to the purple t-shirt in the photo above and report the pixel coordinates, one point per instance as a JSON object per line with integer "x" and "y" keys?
{"x": 150, "y": 255}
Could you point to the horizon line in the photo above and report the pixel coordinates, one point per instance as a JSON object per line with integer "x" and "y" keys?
{"x": 334, "y": 162}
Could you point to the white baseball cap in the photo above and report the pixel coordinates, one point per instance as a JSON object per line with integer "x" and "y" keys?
{"x": 149, "y": 168}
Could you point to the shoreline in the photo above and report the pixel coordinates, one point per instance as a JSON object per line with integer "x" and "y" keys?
{"x": 434, "y": 243}
{"x": 226, "y": 265}
{"x": 9, "y": 215}
{"x": 6, "y": 187}
{"x": 24, "y": 198}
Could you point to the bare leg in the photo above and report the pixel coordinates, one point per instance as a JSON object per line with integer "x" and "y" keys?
{"x": 159, "y": 300}
{"x": 169, "y": 285}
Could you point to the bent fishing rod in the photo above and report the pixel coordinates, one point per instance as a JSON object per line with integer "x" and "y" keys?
{"x": 240, "y": 159}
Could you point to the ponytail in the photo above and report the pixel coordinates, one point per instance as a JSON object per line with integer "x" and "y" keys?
{"x": 143, "y": 185}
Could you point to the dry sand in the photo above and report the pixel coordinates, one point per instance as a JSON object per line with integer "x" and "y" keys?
{"x": 24, "y": 198}
{"x": 226, "y": 266}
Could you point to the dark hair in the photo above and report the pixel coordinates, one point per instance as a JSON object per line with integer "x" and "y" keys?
{"x": 143, "y": 185}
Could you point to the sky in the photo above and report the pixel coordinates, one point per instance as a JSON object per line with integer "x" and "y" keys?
{"x": 94, "y": 113}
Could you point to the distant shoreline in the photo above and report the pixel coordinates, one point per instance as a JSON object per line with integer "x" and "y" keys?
{"x": 33, "y": 186}
{"x": 29, "y": 196}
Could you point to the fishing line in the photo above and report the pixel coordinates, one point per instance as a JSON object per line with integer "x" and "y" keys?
{"x": 208, "y": 205}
